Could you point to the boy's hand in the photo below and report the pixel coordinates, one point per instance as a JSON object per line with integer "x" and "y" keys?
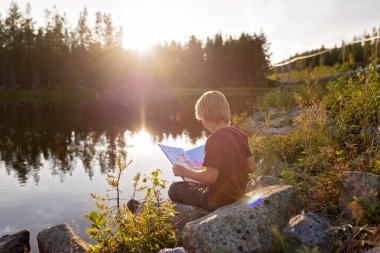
{"x": 179, "y": 170}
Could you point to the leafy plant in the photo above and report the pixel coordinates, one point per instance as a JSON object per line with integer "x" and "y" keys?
{"x": 357, "y": 238}
{"x": 367, "y": 209}
{"x": 117, "y": 229}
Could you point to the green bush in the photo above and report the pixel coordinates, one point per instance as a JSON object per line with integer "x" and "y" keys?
{"x": 117, "y": 229}
{"x": 354, "y": 104}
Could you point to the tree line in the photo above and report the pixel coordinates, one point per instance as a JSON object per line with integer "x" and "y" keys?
{"x": 56, "y": 55}
{"x": 358, "y": 53}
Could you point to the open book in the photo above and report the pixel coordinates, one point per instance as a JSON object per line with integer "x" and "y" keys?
{"x": 191, "y": 159}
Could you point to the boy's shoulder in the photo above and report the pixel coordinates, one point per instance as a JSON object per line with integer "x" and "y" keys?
{"x": 229, "y": 131}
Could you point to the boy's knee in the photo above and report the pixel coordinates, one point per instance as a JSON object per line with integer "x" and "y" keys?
{"x": 174, "y": 189}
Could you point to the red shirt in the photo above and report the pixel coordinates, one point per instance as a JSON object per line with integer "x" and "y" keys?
{"x": 227, "y": 150}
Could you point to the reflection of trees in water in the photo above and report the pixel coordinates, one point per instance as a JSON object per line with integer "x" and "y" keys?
{"x": 60, "y": 136}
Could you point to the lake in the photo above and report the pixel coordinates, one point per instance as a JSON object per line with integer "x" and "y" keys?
{"x": 53, "y": 155}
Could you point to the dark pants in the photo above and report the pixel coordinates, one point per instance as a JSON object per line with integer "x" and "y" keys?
{"x": 191, "y": 193}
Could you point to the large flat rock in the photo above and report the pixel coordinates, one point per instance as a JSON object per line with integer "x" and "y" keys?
{"x": 246, "y": 225}
{"x": 187, "y": 213}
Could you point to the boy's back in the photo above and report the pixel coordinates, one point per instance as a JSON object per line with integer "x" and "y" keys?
{"x": 224, "y": 176}
{"x": 227, "y": 151}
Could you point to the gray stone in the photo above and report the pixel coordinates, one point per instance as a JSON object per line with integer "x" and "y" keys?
{"x": 175, "y": 250}
{"x": 310, "y": 230}
{"x": 277, "y": 131}
{"x": 16, "y": 243}
{"x": 374, "y": 250}
{"x": 357, "y": 184}
{"x": 263, "y": 181}
{"x": 273, "y": 111}
{"x": 244, "y": 226}
{"x": 60, "y": 238}
{"x": 280, "y": 121}
{"x": 187, "y": 213}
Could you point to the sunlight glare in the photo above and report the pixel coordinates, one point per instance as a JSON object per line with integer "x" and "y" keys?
{"x": 145, "y": 28}
{"x": 140, "y": 141}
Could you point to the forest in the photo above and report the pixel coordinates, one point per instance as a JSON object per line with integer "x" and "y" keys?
{"x": 58, "y": 56}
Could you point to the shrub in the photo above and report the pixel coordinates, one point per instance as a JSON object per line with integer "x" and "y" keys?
{"x": 117, "y": 229}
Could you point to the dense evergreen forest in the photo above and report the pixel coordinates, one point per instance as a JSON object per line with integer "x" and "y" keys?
{"x": 362, "y": 51}
{"x": 57, "y": 56}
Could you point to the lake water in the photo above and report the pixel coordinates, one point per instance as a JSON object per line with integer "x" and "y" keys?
{"x": 53, "y": 155}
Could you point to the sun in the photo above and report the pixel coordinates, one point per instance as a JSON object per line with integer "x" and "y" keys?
{"x": 138, "y": 41}
{"x": 143, "y": 28}
{"x": 140, "y": 32}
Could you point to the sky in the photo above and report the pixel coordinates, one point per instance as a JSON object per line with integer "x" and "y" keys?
{"x": 290, "y": 26}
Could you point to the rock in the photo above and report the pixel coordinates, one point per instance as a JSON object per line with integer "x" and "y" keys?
{"x": 133, "y": 205}
{"x": 273, "y": 111}
{"x": 60, "y": 238}
{"x": 371, "y": 132}
{"x": 277, "y": 131}
{"x": 310, "y": 230}
{"x": 187, "y": 213}
{"x": 263, "y": 181}
{"x": 244, "y": 226}
{"x": 360, "y": 184}
{"x": 259, "y": 116}
{"x": 357, "y": 184}
{"x": 175, "y": 250}
{"x": 280, "y": 121}
{"x": 374, "y": 250}
{"x": 16, "y": 243}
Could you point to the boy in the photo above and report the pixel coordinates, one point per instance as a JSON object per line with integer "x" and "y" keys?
{"x": 227, "y": 160}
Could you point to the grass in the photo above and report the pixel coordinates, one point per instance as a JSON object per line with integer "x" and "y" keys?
{"x": 317, "y": 72}
{"x": 337, "y": 130}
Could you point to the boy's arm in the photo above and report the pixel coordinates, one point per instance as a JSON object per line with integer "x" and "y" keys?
{"x": 207, "y": 176}
{"x": 251, "y": 164}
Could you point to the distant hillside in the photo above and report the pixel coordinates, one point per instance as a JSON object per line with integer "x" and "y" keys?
{"x": 361, "y": 51}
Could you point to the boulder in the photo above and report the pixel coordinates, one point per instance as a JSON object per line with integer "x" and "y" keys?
{"x": 273, "y": 111}
{"x": 374, "y": 250}
{"x": 277, "y": 131}
{"x": 246, "y": 225}
{"x": 263, "y": 181}
{"x": 358, "y": 184}
{"x": 60, "y": 238}
{"x": 187, "y": 213}
{"x": 133, "y": 205}
{"x": 175, "y": 250}
{"x": 16, "y": 243}
{"x": 310, "y": 230}
{"x": 281, "y": 121}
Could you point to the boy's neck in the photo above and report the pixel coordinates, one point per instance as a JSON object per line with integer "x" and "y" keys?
{"x": 216, "y": 126}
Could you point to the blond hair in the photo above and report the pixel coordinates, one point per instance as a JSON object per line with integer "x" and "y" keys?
{"x": 213, "y": 106}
